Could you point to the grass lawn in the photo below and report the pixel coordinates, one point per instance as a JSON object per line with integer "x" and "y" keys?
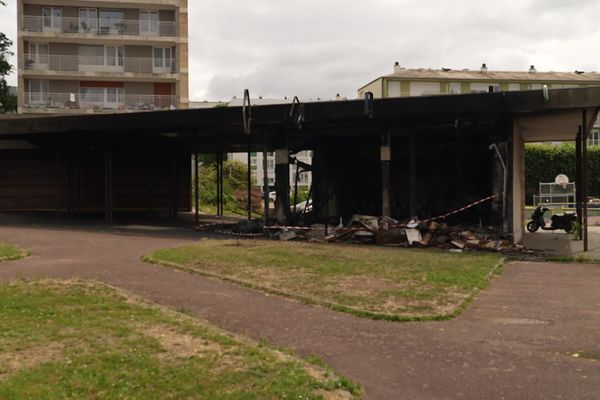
{"x": 8, "y": 252}
{"x": 375, "y": 282}
{"x": 81, "y": 340}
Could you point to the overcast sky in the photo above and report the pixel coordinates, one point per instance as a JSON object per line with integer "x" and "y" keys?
{"x": 318, "y": 48}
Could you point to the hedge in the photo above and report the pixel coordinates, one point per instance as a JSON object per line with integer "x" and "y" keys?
{"x": 543, "y": 162}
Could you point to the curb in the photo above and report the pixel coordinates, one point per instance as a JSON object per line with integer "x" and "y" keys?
{"x": 334, "y": 306}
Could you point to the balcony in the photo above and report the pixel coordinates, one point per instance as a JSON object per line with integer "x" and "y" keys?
{"x": 102, "y": 64}
{"x": 99, "y": 27}
{"x": 111, "y": 102}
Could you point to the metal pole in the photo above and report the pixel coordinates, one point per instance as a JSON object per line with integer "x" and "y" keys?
{"x": 196, "y": 191}
{"x": 296, "y": 191}
{"x": 249, "y": 182}
{"x": 266, "y": 188}
{"x": 579, "y": 177}
{"x": 221, "y": 186}
{"x": 218, "y": 177}
{"x": 584, "y": 172}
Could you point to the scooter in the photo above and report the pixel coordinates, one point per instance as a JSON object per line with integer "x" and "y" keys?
{"x": 564, "y": 221}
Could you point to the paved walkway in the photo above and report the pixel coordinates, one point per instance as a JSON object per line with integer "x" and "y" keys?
{"x": 515, "y": 342}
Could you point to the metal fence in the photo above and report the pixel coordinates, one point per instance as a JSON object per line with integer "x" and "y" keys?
{"x": 98, "y": 26}
{"x": 552, "y": 194}
{"x": 98, "y": 102}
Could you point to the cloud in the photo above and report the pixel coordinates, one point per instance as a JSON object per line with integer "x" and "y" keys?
{"x": 316, "y": 48}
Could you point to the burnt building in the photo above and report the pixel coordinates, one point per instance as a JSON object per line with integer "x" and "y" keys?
{"x": 401, "y": 157}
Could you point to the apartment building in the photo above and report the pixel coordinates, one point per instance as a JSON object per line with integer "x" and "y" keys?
{"x": 258, "y": 172}
{"x": 95, "y": 56}
{"x": 405, "y": 82}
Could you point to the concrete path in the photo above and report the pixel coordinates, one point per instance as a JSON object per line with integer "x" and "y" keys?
{"x": 517, "y": 340}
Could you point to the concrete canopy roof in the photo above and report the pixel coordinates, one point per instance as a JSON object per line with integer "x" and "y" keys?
{"x": 222, "y": 128}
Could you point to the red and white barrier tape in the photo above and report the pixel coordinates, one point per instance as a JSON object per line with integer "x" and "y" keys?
{"x": 467, "y": 207}
{"x": 228, "y": 233}
{"x": 206, "y": 227}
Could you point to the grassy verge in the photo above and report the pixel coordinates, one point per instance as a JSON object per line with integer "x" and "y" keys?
{"x": 372, "y": 282}
{"x": 580, "y": 259}
{"x": 8, "y": 252}
{"x": 78, "y": 340}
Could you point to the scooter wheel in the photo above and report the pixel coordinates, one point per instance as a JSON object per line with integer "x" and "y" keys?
{"x": 532, "y": 227}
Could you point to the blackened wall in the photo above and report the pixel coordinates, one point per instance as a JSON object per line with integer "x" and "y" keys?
{"x": 75, "y": 180}
{"x": 454, "y": 167}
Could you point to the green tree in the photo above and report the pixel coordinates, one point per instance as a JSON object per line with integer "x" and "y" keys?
{"x": 235, "y": 175}
{"x": 8, "y": 102}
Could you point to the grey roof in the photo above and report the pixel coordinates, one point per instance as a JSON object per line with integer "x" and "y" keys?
{"x": 493, "y": 76}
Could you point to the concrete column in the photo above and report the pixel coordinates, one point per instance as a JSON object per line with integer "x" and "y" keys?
{"x": 282, "y": 185}
{"x": 412, "y": 180}
{"x": 20, "y": 61}
{"x": 386, "y": 158}
{"x": 517, "y": 203}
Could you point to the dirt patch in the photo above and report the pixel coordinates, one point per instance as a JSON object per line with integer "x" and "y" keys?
{"x": 178, "y": 345}
{"x": 364, "y": 286}
{"x": 335, "y": 395}
{"x": 13, "y": 362}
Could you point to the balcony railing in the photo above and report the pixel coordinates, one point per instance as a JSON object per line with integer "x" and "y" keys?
{"x": 98, "y": 102}
{"x": 100, "y": 27}
{"x": 110, "y": 64}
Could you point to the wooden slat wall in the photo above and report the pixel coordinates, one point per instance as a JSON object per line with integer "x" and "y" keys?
{"x": 28, "y": 181}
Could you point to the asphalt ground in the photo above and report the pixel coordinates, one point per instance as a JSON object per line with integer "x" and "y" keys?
{"x": 533, "y": 334}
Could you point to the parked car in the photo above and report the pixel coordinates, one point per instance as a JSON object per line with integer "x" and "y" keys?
{"x": 593, "y": 203}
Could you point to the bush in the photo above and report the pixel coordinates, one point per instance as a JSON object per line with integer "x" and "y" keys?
{"x": 544, "y": 162}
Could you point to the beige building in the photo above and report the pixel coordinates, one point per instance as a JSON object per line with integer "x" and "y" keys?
{"x": 405, "y": 82}
{"x": 91, "y": 56}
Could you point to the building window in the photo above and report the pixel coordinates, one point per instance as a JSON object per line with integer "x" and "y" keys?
{"x": 594, "y": 139}
{"x": 37, "y": 55}
{"x": 101, "y": 97}
{"x": 454, "y": 88}
{"x": 88, "y": 20}
{"x": 114, "y": 56}
{"x": 424, "y": 88}
{"x": 485, "y": 87}
{"x": 149, "y": 23}
{"x": 100, "y": 56}
{"x": 52, "y": 19}
{"x": 38, "y": 92}
{"x": 111, "y": 22}
{"x": 163, "y": 57}
{"x": 394, "y": 89}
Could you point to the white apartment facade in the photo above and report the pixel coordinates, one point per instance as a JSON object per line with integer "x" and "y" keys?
{"x": 258, "y": 172}
{"x": 86, "y": 56}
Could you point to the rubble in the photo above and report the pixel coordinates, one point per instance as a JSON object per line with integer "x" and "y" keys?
{"x": 386, "y": 231}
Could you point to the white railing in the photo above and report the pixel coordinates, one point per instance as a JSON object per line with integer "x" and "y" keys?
{"x": 97, "y": 64}
{"x": 32, "y": 23}
{"x": 98, "y": 102}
